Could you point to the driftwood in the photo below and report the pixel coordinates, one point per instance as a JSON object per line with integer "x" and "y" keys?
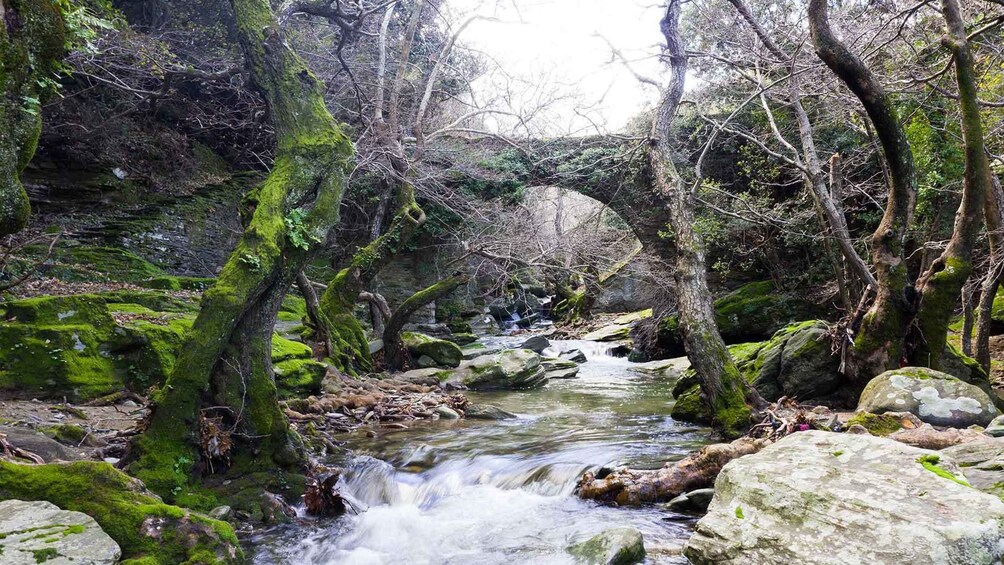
{"x": 627, "y": 487}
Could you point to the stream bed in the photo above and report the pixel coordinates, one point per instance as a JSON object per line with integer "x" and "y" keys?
{"x": 492, "y": 492}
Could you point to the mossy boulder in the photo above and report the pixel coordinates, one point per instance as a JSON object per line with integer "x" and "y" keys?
{"x": 935, "y": 397}
{"x": 148, "y": 531}
{"x": 444, "y": 353}
{"x": 796, "y": 362}
{"x": 90, "y": 345}
{"x": 512, "y": 369}
{"x": 751, "y": 313}
{"x": 299, "y": 377}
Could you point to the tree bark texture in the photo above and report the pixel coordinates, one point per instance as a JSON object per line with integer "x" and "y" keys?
{"x": 224, "y": 371}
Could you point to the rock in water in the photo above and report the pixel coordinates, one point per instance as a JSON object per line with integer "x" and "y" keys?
{"x": 537, "y": 344}
{"x": 693, "y": 501}
{"x": 443, "y": 353}
{"x": 613, "y": 332}
{"x": 839, "y": 499}
{"x": 487, "y": 412}
{"x": 616, "y": 546}
{"x": 512, "y": 369}
{"x": 559, "y": 368}
{"x": 575, "y": 355}
{"x": 935, "y": 397}
{"x": 39, "y": 532}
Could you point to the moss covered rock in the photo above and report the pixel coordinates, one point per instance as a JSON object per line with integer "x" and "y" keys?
{"x": 935, "y": 397}
{"x": 512, "y": 369}
{"x": 444, "y": 353}
{"x": 89, "y": 345}
{"x": 147, "y": 530}
{"x": 299, "y": 377}
{"x": 753, "y": 312}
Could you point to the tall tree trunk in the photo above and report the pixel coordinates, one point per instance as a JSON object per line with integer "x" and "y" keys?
{"x": 32, "y": 43}
{"x": 879, "y": 343}
{"x": 723, "y": 388}
{"x": 395, "y": 354}
{"x": 941, "y": 285}
{"x": 993, "y": 214}
{"x": 224, "y": 373}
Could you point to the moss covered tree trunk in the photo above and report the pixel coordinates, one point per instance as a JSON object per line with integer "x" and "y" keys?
{"x": 223, "y": 375}
{"x": 993, "y": 214}
{"x": 32, "y": 43}
{"x": 349, "y": 347}
{"x": 941, "y": 285}
{"x": 395, "y": 354}
{"x": 879, "y": 342}
{"x": 723, "y": 388}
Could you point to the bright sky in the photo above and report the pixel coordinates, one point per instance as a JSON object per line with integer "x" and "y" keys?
{"x": 556, "y": 42}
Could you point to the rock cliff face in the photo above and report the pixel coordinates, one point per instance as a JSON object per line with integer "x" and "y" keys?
{"x": 841, "y": 499}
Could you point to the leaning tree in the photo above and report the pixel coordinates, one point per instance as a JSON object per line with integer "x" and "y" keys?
{"x": 219, "y": 409}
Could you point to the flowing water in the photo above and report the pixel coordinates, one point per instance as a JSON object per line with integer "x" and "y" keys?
{"x": 494, "y": 492}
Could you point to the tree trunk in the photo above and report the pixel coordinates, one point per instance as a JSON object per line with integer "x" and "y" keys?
{"x": 32, "y": 43}
{"x": 879, "y": 343}
{"x": 395, "y": 354}
{"x": 223, "y": 376}
{"x": 942, "y": 284}
{"x": 993, "y": 209}
{"x": 723, "y": 388}
{"x": 350, "y": 350}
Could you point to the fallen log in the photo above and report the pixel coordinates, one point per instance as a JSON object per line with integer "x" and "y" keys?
{"x": 627, "y": 487}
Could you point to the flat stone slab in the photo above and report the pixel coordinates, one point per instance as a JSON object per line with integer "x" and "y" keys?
{"x": 40, "y": 532}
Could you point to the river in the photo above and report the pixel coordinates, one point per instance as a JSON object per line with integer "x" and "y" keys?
{"x": 492, "y": 492}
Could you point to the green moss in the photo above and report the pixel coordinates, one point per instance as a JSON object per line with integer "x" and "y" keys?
{"x": 65, "y": 433}
{"x": 299, "y": 377}
{"x": 930, "y": 462}
{"x": 285, "y": 349}
{"x": 876, "y": 424}
{"x": 739, "y": 512}
{"x": 690, "y": 408}
{"x": 144, "y": 527}
{"x": 43, "y": 555}
{"x": 443, "y": 352}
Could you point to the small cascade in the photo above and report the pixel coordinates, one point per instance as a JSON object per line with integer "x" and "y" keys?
{"x": 459, "y": 492}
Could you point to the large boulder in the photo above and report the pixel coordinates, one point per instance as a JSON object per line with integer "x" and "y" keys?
{"x": 796, "y": 362}
{"x": 443, "y": 353}
{"x": 512, "y": 369}
{"x": 935, "y": 397}
{"x": 841, "y": 499}
{"x": 39, "y": 532}
{"x": 753, "y": 312}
